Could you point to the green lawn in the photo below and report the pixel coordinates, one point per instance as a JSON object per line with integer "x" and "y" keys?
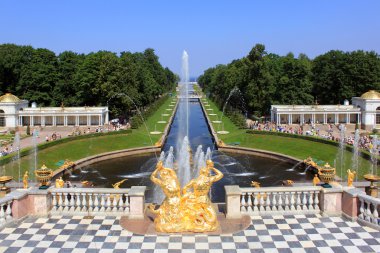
{"x": 295, "y": 147}
{"x": 77, "y": 149}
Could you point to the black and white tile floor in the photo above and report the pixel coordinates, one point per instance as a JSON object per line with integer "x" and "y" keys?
{"x": 288, "y": 233}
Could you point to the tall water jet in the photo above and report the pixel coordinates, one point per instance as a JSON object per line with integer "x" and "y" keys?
{"x": 355, "y": 157}
{"x": 374, "y": 152}
{"x": 183, "y": 108}
{"x": 183, "y": 146}
{"x": 16, "y": 146}
{"x": 169, "y": 160}
{"x": 340, "y": 157}
{"x": 196, "y": 157}
{"x": 34, "y": 151}
{"x": 183, "y": 162}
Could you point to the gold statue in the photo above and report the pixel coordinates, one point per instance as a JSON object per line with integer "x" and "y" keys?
{"x": 350, "y": 177}
{"x": 200, "y": 216}
{"x": 192, "y": 212}
{"x": 316, "y": 180}
{"x": 287, "y": 182}
{"x": 59, "y": 183}
{"x": 25, "y": 179}
{"x": 169, "y": 214}
{"x": 255, "y": 184}
{"x": 117, "y": 184}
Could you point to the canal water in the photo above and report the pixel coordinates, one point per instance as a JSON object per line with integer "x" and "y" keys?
{"x": 238, "y": 169}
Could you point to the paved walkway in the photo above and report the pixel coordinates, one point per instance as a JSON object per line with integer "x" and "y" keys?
{"x": 290, "y": 233}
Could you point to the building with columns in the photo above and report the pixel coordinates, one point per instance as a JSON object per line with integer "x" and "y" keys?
{"x": 15, "y": 112}
{"x": 364, "y": 110}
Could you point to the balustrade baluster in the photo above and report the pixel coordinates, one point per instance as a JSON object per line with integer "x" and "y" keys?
{"x": 261, "y": 208}
{"x": 66, "y": 204}
{"x": 102, "y": 202}
{"x": 368, "y": 211}
{"x": 304, "y": 201}
{"x": 84, "y": 201}
{"x": 120, "y": 203}
{"x": 54, "y": 202}
{"x": 361, "y": 209}
{"x": 287, "y": 208}
{"x": 316, "y": 200}
{"x": 72, "y": 202}
{"x": 280, "y": 201}
{"x": 256, "y": 202}
{"x": 310, "y": 204}
{"x": 60, "y": 201}
{"x": 297, "y": 196}
{"x": 126, "y": 203}
{"x": 108, "y": 204}
{"x": 2, "y": 214}
{"x": 96, "y": 202}
{"x": 243, "y": 203}
{"x": 274, "y": 201}
{"x": 375, "y": 214}
{"x": 114, "y": 202}
{"x": 267, "y": 202}
{"x": 249, "y": 202}
{"x": 292, "y": 201}
{"x": 8, "y": 211}
{"x": 78, "y": 203}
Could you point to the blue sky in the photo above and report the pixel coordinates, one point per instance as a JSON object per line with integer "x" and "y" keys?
{"x": 212, "y": 32}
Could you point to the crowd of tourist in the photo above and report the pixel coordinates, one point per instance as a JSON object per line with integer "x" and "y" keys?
{"x": 364, "y": 141}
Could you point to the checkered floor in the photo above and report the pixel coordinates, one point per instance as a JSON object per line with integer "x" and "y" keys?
{"x": 290, "y": 233}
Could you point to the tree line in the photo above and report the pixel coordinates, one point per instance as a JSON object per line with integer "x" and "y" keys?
{"x": 265, "y": 79}
{"x": 93, "y": 79}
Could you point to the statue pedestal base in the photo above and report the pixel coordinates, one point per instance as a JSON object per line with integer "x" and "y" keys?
{"x": 43, "y": 187}
{"x": 372, "y": 191}
{"x": 4, "y": 191}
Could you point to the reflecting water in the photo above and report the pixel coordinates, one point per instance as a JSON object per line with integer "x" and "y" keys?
{"x": 238, "y": 169}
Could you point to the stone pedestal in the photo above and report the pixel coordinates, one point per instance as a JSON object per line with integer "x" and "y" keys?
{"x": 350, "y": 202}
{"x": 233, "y": 194}
{"x": 137, "y": 202}
{"x": 331, "y": 200}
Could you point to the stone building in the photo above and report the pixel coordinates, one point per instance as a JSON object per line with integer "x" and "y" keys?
{"x": 364, "y": 110}
{"x": 15, "y": 112}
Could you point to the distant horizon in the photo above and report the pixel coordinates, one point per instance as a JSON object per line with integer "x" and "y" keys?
{"x": 212, "y": 32}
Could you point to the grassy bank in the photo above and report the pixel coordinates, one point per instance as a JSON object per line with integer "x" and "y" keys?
{"x": 298, "y": 148}
{"x": 80, "y": 147}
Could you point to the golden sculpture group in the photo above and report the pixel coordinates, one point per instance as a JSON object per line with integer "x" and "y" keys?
{"x": 187, "y": 211}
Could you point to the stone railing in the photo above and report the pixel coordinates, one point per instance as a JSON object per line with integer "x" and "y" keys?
{"x": 5, "y": 210}
{"x": 98, "y": 201}
{"x": 88, "y": 201}
{"x": 369, "y": 210}
{"x": 272, "y": 200}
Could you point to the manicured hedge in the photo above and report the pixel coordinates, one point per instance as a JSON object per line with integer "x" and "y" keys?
{"x": 350, "y": 148}
{"x": 42, "y": 146}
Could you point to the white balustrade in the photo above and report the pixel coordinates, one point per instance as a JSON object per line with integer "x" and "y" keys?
{"x": 280, "y": 200}
{"x": 369, "y": 209}
{"x": 5, "y": 211}
{"x": 89, "y": 201}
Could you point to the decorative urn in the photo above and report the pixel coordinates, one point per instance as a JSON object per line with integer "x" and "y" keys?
{"x": 44, "y": 175}
{"x": 372, "y": 190}
{"x": 326, "y": 174}
{"x": 4, "y": 189}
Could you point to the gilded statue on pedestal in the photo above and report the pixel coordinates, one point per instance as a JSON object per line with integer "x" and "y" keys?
{"x": 59, "y": 183}
{"x": 350, "y": 177}
{"x": 169, "y": 214}
{"x": 191, "y": 212}
{"x": 25, "y": 180}
{"x": 200, "y": 216}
